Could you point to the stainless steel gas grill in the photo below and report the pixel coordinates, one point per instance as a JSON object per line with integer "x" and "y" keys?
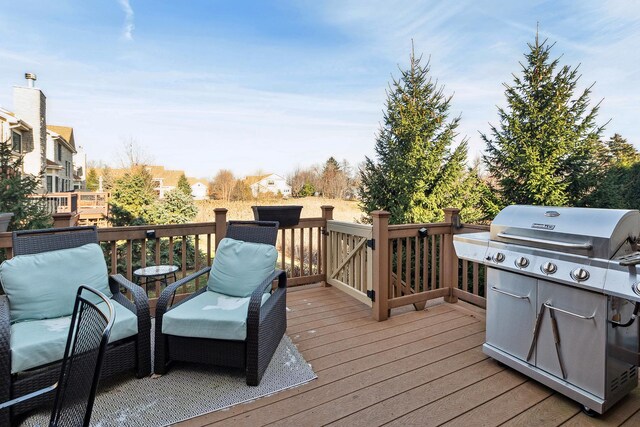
{"x": 563, "y": 292}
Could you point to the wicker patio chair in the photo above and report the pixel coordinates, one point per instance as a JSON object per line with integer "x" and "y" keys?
{"x": 130, "y": 353}
{"x": 79, "y": 375}
{"x": 265, "y": 324}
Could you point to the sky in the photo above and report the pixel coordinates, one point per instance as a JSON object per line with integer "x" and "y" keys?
{"x": 274, "y": 85}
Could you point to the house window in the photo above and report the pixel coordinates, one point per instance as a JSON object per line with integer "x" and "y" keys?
{"x": 271, "y": 182}
{"x": 17, "y": 142}
{"x": 57, "y": 187}
{"x": 59, "y": 152}
{"x": 49, "y": 184}
{"x": 67, "y": 168}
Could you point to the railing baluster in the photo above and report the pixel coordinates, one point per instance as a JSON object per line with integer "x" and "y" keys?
{"x": 475, "y": 278}
{"x": 293, "y": 253}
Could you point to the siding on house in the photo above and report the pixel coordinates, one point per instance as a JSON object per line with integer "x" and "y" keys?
{"x": 271, "y": 183}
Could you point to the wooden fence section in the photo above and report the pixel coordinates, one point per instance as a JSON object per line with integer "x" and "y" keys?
{"x": 385, "y": 266}
{"x": 413, "y": 263}
{"x": 302, "y": 248}
{"x": 192, "y": 247}
{"x": 349, "y": 253}
{"x": 188, "y": 246}
{"x": 57, "y": 202}
{"x": 416, "y": 263}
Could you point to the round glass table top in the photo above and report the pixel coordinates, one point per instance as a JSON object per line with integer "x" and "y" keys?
{"x": 156, "y": 270}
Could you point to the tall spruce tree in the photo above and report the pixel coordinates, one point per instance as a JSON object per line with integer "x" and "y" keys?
{"x": 183, "y": 185}
{"x": 133, "y": 201}
{"x": 415, "y": 171}
{"x": 15, "y": 189}
{"x": 93, "y": 182}
{"x": 616, "y": 188}
{"x": 545, "y": 149}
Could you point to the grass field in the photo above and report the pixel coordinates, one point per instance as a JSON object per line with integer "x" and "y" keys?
{"x": 344, "y": 210}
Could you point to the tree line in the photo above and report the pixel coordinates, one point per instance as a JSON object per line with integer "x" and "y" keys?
{"x": 547, "y": 149}
{"x": 332, "y": 179}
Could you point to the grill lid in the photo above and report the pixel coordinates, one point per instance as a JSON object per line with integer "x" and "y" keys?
{"x": 599, "y": 233}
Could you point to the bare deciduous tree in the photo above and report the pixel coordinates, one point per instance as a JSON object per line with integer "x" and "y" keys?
{"x": 133, "y": 154}
{"x": 222, "y": 185}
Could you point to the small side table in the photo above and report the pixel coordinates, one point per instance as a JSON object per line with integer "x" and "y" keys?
{"x": 155, "y": 273}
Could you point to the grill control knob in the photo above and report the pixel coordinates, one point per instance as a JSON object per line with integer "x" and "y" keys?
{"x": 580, "y": 274}
{"x": 498, "y": 257}
{"x": 522, "y": 262}
{"x": 549, "y": 268}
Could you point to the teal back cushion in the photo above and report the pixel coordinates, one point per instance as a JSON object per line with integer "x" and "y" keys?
{"x": 239, "y": 267}
{"x": 44, "y": 285}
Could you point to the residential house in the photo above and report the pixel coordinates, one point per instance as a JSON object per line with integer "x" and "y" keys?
{"x": 47, "y": 150}
{"x": 16, "y": 132}
{"x": 164, "y": 180}
{"x": 61, "y": 148}
{"x": 80, "y": 173}
{"x": 271, "y": 183}
{"x": 199, "y": 188}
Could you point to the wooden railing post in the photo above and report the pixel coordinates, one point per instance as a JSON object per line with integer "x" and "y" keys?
{"x": 65, "y": 219}
{"x": 380, "y": 264}
{"x": 450, "y": 264}
{"x": 221, "y": 224}
{"x": 325, "y": 251}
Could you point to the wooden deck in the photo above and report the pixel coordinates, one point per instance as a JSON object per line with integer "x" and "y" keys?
{"x": 417, "y": 368}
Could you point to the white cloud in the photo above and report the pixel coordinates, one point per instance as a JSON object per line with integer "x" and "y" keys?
{"x": 127, "y": 31}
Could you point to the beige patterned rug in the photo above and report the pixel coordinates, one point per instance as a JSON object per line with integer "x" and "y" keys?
{"x": 187, "y": 391}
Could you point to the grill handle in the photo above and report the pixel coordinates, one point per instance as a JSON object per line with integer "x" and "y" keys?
{"x": 500, "y": 291}
{"x": 579, "y": 316}
{"x": 565, "y": 245}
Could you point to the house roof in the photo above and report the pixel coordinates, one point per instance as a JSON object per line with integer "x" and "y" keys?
{"x": 169, "y": 177}
{"x": 193, "y": 181}
{"x": 64, "y": 132}
{"x": 13, "y": 121}
{"x": 254, "y": 179}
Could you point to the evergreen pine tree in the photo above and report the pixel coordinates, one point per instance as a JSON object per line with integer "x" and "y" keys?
{"x": 133, "y": 199}
{"x": 176, "y": 208}
{"x": 616, "y": 187}
{"x": 93, "y": 182}
{"x": 544, "y": 151}
{"x": 15, "y": 187}
{"x": 415, "y": 170}
{"x": 183, "y": 185}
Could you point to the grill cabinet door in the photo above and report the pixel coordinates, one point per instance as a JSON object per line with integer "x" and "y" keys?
{"x": 582, "y": 341}
{"x": 511, "y": 311}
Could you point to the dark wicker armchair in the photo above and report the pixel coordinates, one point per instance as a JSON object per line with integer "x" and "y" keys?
{"x": 265, "y": 325}
{"x": 132, "y": 353}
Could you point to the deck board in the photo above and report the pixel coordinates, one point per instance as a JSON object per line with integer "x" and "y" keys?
{"x": 417, "y": 368}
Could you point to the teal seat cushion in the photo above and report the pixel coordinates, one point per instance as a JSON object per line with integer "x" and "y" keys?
{"x": 239, "y": 267}
{"x": 44, "y": 285}
{"x": 210, "y": 315}
{"x": 39, "y": 342}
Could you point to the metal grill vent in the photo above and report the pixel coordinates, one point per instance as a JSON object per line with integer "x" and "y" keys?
{"x": 623, "y": 378}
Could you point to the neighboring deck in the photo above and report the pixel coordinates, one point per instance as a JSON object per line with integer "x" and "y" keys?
{"x": 417, "y": 368}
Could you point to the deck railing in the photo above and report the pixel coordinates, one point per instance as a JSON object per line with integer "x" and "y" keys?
{"x": 349, "y": 255}
{"x": 390, "y": 266}
{"x": 58, "y": 202}
{"x": 385, "y": 266}
{"x": 192, "y": 247}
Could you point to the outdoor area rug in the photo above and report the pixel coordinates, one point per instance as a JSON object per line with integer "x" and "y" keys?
{"x": 187, "y": 391}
